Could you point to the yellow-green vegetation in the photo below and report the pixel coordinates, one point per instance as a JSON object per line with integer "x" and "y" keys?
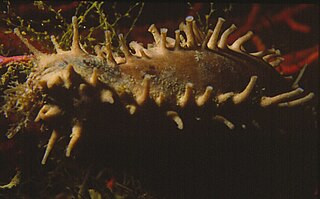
{"x": 205, "y": 21}
{"x": 14, "y": 181}
{"x": 3, "y": 51}
{"x": 13, "y": 73}
{"x": 16, "y": 100}
{"x": 93, "y": 17}
{"x": 20, "y": 106}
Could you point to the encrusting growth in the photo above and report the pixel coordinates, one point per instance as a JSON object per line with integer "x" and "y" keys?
{"x": 198, "y": 71}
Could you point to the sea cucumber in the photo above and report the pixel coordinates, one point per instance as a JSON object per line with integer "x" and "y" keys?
{"x": 193, "y": 71}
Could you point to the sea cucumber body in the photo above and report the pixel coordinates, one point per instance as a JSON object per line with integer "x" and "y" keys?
{"x": 173, "y": 74}
{"x": 172, "y": 70}
{"x": 225, "y": 72}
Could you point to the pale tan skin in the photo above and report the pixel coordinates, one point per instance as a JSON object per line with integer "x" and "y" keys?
{"x": 199, "y": 70}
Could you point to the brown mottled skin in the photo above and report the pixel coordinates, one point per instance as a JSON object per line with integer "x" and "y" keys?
{"x": 224, "y": 70}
